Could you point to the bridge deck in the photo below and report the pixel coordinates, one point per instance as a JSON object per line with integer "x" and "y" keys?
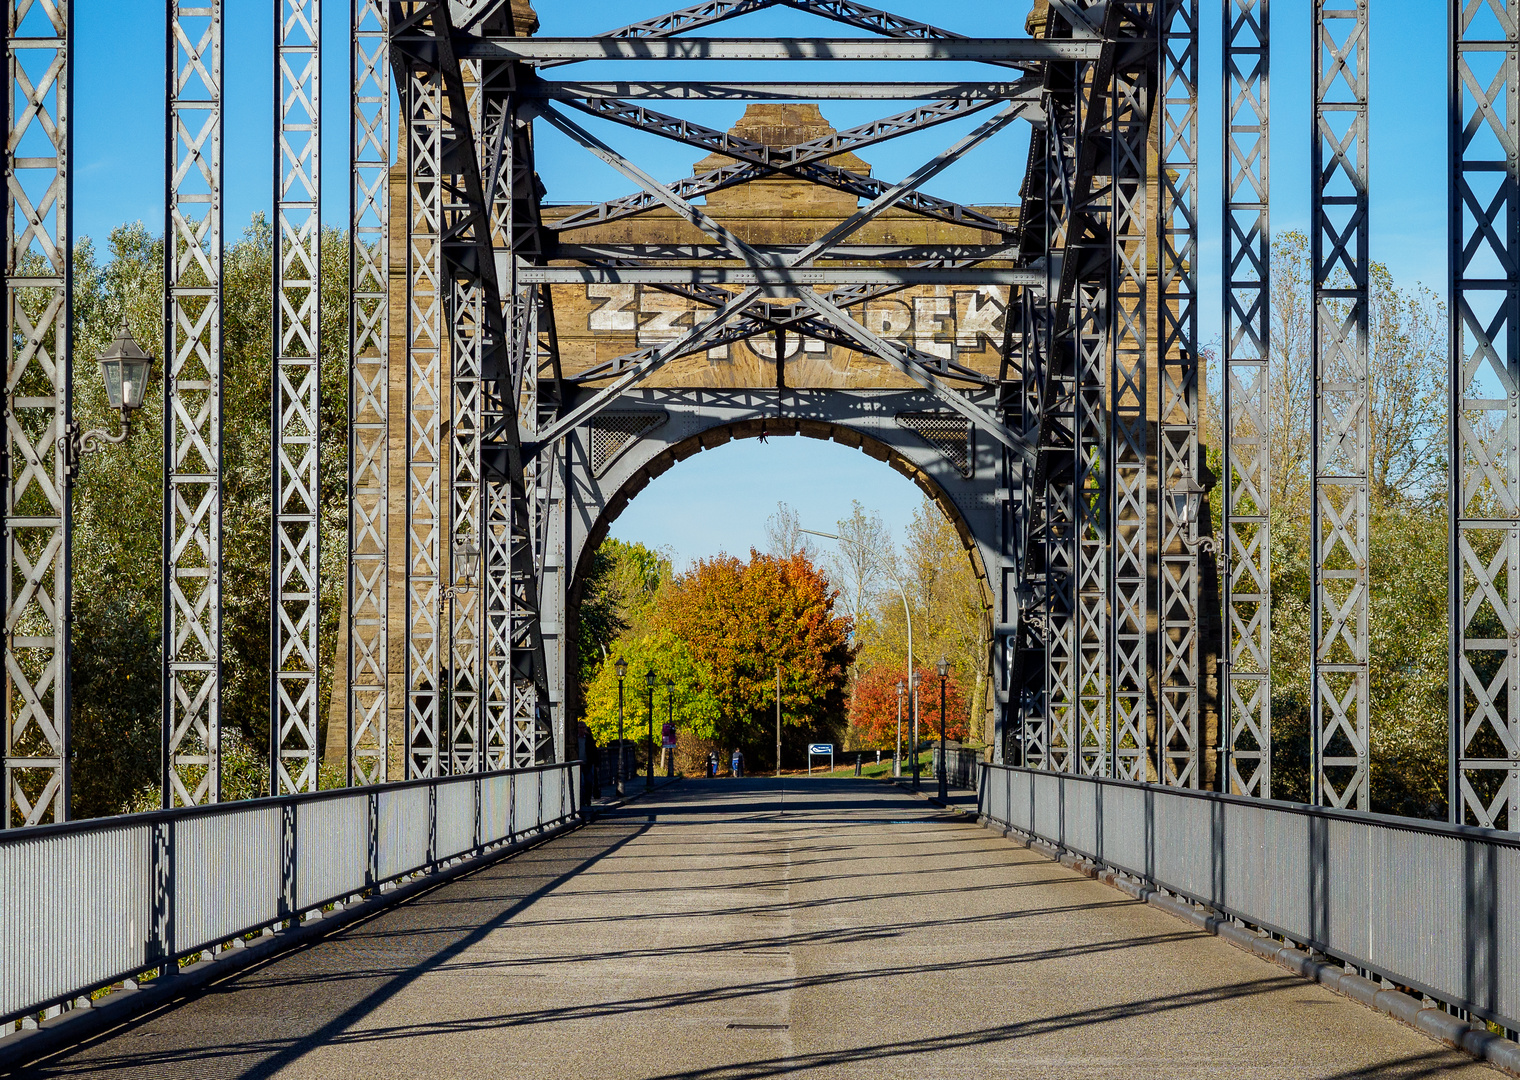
{"x": 739, "y": 929}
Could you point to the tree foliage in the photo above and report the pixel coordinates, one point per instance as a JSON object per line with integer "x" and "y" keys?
{"x": 947, "y": 606}
{"x": 692, "y": 706}
{"x": 874, "y": 708}
{"x": 617, "y": 599}
{"x": 1407, "y": 568}
{"x": 740, "y": 620}
{"x": 118, "y": 513}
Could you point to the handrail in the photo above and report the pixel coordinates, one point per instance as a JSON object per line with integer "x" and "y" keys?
{"x": 94, "y": 902}
{"x": 1424, "y": 904}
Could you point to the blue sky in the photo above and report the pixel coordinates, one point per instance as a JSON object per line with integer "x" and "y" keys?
{"x": 720, "y": 499}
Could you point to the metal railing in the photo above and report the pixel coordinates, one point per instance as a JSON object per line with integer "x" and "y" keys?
{"x": 1426, "y": 905}
{"x": 964, "y": 766}
{"x": 90, "y": 903}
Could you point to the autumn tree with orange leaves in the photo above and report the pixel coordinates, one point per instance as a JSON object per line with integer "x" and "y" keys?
{"x": 739, "y": 620}
{"x": 873, "y": 713}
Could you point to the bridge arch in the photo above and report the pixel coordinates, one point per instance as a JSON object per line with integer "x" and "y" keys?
{"x": 622, "y": 451}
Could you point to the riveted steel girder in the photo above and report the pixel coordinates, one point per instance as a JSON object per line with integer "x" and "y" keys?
{"x": 1246, "y": 238}
{"x": 1484, "y": 125}
{"x": 1339, "y": 241}
{"x": 38, "y": 415}
{"x": 294, "y": 425}
{"x": 1180, "y": 615}
{"x": 192, "y": 635}
{"x": 368, "y": 581}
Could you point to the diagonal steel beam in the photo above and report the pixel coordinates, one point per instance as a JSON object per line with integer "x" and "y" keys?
{"x": 806, "y": 161}
{"x": 696, "y": 90}
{"x": 693, "y": 339}
{"x": 879, "y": 346}
{"x": 897, "y": 192}
{"x": 739, "y": 249}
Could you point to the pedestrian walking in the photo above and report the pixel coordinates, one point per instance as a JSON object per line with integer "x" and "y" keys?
{"x": 738, "y": 762}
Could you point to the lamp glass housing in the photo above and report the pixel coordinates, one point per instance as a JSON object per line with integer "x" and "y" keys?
{"x": 944, "y": 667}
{"x": 649, "y": 679}
{"x": 670, "y": 686}
{"x": 125, "y": 368}
{"x": 621, "y": 667}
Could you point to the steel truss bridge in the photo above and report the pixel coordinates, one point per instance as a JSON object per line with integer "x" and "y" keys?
{"x": 1129, "y": 644}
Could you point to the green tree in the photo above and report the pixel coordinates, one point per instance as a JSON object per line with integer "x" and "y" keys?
{"x": 740, "y": 620}
{"x": 617, "y": 599}
{"x": 950, "y": 615}
{"x": 118, "y": 508}
{"x": 696, "y": 709}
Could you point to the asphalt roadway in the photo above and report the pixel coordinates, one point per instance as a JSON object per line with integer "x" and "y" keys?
{"x": 760, "y": 928}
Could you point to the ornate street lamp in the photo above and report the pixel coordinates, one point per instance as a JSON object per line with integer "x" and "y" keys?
{"x": 670, "y": 706}
{"x": 649, "y": 681}
{"x": 1187, "y": 500}
{"x": 944, "y": 765}
{"x": 621, "y": 667}
{"x": 126, "y": 369}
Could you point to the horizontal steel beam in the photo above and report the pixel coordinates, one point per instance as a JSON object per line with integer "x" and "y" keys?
{"x": 566, "y": 50}
{"x": 780, "y": 91}
{"x": 781, "y": 276}
{"x": 779, "y": 252}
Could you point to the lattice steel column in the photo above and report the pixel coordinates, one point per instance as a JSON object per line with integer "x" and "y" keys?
{"x": 1060, "y": 536}
{"x": 424, "y": 409}
{"x": 368, "y": 591}
{"x": 1129, "y": 447}
{"x": 294, "y": 549}
{"x": 1338, "y": 555}
{"x": 38, "y": 416}
{"x": 466, "y": 344}
{"x": 1246, "y": 703}
{"x": 1029, "y": 669}
{"x": 1179, "y": 649}
{"x": 1485, "y": 413}
{"x": 1094, "y": 742}
{"x": 497, "y": 493}
{"x": 193, "y": 406}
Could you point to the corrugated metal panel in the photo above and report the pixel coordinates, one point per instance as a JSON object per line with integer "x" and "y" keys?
{"x": 79, "y": 897}
{"x": 525, "y": 804}
{"x": 75, "y": 912}
{"x": 1435, "y": 910}
{"x": 456, "y": 818}
{"x": 332, "y": 848}
{"x": 495, "y": 808}
{"x": 404, "y": 828}
{"x": 227, "y": 874}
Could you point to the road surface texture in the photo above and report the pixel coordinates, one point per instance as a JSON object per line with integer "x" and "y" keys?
{"x": 758, "y": 928}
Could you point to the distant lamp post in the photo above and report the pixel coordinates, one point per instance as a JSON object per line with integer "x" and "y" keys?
{"x": 670, "y": 711}
{"x": 897, "y": 757}
{"x": 1187, "y": 501}
{"x": 944, "y": 764}
{"x": 621, "y": 667}
{"x": 913, "y": 708}
{"x": 125, "y": 368}
{"x": 649, "y": 681}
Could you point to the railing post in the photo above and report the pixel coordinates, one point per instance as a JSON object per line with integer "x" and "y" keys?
{"x": 161, "y": 899}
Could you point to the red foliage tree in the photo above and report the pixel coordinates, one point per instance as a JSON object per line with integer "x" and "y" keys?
{"x": 740, "y": 620}
{"x": 874, "y": 710}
